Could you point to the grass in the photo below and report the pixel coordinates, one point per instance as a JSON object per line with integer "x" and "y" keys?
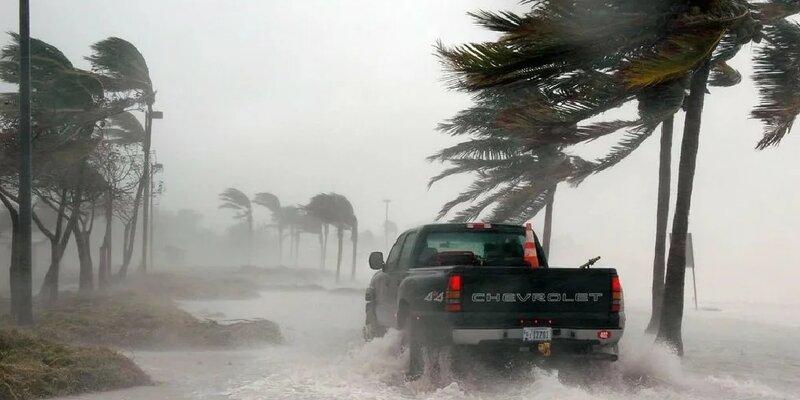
{"x": 133, "y": 321}
{"x": 32, "y": 367}
{"x": 183, "y": 286}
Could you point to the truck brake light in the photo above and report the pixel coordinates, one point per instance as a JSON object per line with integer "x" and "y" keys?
{"x": 452, "y": 296}
{"x": 479, "y": 225}
{"x": 616, "y": 294}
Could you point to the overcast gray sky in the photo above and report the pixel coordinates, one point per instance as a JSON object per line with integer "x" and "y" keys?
{"x": 301, "y": 97}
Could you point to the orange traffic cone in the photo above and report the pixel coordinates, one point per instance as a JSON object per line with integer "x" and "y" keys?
{"x": 529, "y": 247}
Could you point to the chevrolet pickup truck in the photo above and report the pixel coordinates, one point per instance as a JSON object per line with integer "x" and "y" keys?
{"x": 470, "y": 286}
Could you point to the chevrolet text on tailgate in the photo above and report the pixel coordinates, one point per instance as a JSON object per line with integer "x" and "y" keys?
{"x": 488, "y": 288}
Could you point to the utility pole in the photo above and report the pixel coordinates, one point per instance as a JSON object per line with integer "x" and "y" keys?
{"x": 386, "y": 225}
{"x": 152, "y": 214}
{"x": 150, "y": 115}
{"x": 690, "y": 264}
{"x": 157, "y": 167}
{"x": 22, "y": 304}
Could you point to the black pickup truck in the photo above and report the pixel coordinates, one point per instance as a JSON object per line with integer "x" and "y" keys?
{"x": 470, "y": 286}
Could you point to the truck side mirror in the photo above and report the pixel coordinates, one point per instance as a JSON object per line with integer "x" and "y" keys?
{"x": 376, "y": 260}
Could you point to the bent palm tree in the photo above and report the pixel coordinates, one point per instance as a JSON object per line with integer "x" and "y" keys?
{"x": 334, "y": 209}
{"x": 273, "y": 204}
{"x": 122, "y": 68}
{"x": 640, "y": 45}
{"x": 236, "y": 200}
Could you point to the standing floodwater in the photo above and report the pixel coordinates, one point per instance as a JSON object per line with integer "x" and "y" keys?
{"x": 325, "y": 358}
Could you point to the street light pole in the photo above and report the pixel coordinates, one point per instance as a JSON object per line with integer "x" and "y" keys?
{"x": 386, "y": 225}
{"x": 22, "y": 299}
{"x": 152, "y": 208}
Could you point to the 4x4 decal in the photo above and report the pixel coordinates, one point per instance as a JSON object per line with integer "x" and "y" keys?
{"x": 435, "y": 295}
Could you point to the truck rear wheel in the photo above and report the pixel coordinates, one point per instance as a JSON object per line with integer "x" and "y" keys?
{"x": 424, "y": 353}
{"x": 412, "y": 339}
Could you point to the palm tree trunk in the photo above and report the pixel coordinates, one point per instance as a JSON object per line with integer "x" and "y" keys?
{"x": 126, "y": 234}
{"x": 326, "y": 231}
{"x": 355, "y": 249}
{"x": 548, "y": 220}
{"x": 85, "y": 276}
{"x": 662, "y": 219}
{"x": 321, "y": 250}
{"x": 297, "y": 248}
{"x": 280, "y": 245}
{"x": 291, "y": 246}
{"x": 340, "y": 236}
{"x": 250, "y": 237}
{"x": 105, "y": 250}
{"x": 130, "y": 237}
{"x": 49, "y": 291}
{"x": 669, "y": 331}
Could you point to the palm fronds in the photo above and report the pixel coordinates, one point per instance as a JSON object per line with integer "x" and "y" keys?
{"x": 777, "y": 76}
{"x": 124, "y": 129}
{"x": 121, "y": 66}
{"x": 268, "y": 200}
{"x": 235, "y": 199}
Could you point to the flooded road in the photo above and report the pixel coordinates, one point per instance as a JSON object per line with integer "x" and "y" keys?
{"x": 325, "y": 358}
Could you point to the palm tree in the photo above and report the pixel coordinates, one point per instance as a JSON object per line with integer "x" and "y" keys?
{"x": 123, "y": 130}
{"x": 273, "y": 204}
{"x": 640, "y": 45}
{"x": 323, "y": 208}
{"x": 236, "y": 200}
{"x": 307, "y": 224}
{"x": 122, "y": 68}
{"x": 334, "y": 209}
{"x": 662, "y": 217}
{"x": 68, "y": 103}
{"x": 518, "y": 151}
{"x": 291, "y": 217}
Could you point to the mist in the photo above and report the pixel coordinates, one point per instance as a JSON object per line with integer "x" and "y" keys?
{"x": 301, "y": 98}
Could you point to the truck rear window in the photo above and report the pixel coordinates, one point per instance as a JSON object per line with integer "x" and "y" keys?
{"x": 486, "y": 248}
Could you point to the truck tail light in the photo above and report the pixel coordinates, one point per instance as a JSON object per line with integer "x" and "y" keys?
{"x": 616, "y": 294}
{"x": 452, "y": 295}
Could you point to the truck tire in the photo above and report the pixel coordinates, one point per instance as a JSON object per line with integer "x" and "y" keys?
{"x": 413, "y": 340}
{"x": 426, "y": 355}
{"x": 372, "y": 329}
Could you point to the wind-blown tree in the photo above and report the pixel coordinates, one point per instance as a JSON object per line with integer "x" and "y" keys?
{"x": 56, "y": 197}
{"x": 323, "y": 208}
{"x": 126, "y": 134}
{"x": 777, "y": 67}
{"x": 85, "y": 205}
{"x": 334, "y": 209}
{"x": 301, "y": 222}
{"x": 290, "y": 217}
{"x": 517, "y": 153}
{"x": 638, "y": 45}
{"x": 117, "y": 161}
{"x": 273, "y": 204}
{"x": 68, "y": 104}
{"x": 123, "y": 69}
{"x": 236, "y": 200}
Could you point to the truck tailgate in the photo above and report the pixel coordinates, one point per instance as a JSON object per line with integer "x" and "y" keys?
{"x": 557, "y": 296}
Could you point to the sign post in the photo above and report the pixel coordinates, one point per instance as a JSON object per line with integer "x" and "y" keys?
{"x": 690, "y": 264}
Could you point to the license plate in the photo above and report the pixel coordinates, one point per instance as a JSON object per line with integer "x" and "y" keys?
{"x": 537, "y": 334}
